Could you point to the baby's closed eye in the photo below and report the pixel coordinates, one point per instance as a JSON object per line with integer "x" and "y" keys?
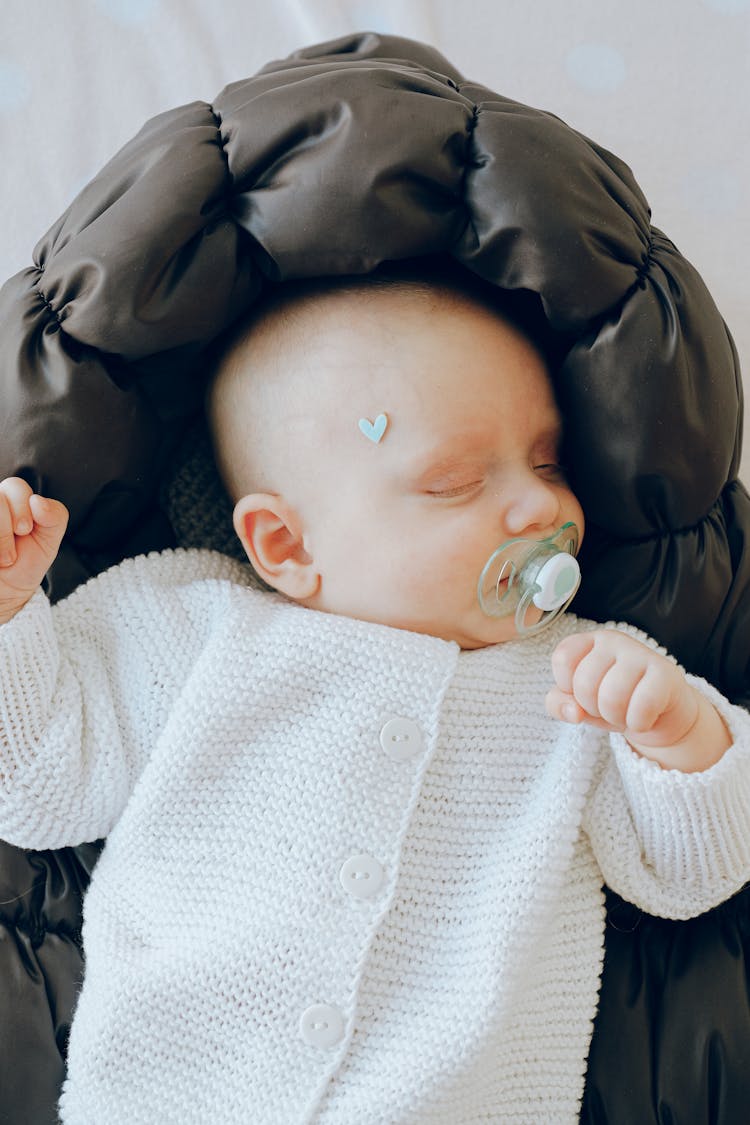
{"x": 449, "y": 489}
{"x": 551, "y": 470}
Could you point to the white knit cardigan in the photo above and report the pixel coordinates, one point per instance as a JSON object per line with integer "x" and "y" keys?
{"x": 352, "y": 874}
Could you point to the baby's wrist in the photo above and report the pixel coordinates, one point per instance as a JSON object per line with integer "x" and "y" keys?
{"x": 12, "y": 607}
{"x": 701, "y": 747}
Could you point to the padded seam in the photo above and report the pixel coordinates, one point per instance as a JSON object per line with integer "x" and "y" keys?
{"x": 37, "y": 931}
{"x": 642, "y": 271}
{"x": 673, "y": 532}
{"x": 469, "y": 161}
{"x": 222, "y": 139}
{"x": 49, "y": 307}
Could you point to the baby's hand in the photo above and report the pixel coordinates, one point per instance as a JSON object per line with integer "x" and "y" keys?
{"x": 31, "y": 530}
{"x": 614, "y": 682}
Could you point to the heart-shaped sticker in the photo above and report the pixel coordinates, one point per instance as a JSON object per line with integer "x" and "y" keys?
{"x": 374, "y": 430}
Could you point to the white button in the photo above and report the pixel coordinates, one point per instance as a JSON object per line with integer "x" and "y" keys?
{"x": 401, "y": 739}
{"x": 322, "y": 1025}
{"x": 361, "y": 876}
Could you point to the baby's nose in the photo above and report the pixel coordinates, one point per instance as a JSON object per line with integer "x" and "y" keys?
{"x": 532, "y": 508}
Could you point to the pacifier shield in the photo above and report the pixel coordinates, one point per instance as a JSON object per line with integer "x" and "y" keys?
{"x": 524, "y": 576}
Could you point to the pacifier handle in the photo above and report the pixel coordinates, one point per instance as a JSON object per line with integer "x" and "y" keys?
{"x": 557, "y": 581}
{"x": 542, "y": 574}
{"x": 552, "y": 592}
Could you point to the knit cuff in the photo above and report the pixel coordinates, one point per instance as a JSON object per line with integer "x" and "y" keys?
{"x": 28, "y": 671}
{"x": 694, "y": 827}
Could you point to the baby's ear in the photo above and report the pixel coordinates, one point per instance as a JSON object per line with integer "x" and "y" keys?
{"x": 270, "y": 532}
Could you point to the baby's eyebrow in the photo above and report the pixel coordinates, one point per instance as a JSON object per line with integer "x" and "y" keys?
{"x": 474, "y": 449}
{"x": 439, "y": 463}
{"x": 552, "y": 432}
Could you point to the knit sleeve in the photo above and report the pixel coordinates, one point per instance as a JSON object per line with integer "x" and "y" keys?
{"x": 676, "y": 844}
{"x": 87, "y": 688}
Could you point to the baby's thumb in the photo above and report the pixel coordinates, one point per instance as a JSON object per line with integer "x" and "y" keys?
{"x": 561, "y": 705}
{"x": 50, "y": 522}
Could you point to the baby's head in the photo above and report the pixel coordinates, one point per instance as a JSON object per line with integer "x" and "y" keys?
{"x": 380, "y": 439}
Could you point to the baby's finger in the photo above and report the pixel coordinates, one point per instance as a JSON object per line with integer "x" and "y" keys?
{"x": 16, "y": 493}
{"x": 567, "y": 656}
{"x": 560, "y": 705}
{"x": 652, "y": 697}
{"x": 15, "y": 516}
{"x": 7, "y": 537}
{"x": 588, "y": 676}
{"x": 617, "y": 687}
{"x": 47, "y": 512}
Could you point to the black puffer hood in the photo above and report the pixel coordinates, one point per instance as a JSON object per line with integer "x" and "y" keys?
{"x": 363, "y": 150}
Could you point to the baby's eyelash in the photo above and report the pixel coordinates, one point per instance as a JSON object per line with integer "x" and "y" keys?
{"x": 551, "y": 468}
{"x": 454, "y": 490}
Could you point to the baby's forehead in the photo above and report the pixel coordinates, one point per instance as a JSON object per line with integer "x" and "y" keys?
{"x": 361, "y": 318}
{"x": 325, "y": 347}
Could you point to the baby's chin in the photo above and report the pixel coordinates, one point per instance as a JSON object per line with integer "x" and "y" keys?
{"x": 475, "y": 631}
{"x": 482, "y": 634}
{"x": 500, "y": 630}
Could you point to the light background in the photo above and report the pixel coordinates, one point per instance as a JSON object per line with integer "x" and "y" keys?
{"x": 663, "y": 83}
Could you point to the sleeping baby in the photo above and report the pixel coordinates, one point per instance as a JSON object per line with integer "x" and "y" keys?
{"x": 422, "y": 767}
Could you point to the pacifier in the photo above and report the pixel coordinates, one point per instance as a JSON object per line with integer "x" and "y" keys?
{"x": 525, "y": 575}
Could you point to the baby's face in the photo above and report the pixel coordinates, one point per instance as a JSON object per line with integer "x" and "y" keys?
{"x": 399, "y": 529}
